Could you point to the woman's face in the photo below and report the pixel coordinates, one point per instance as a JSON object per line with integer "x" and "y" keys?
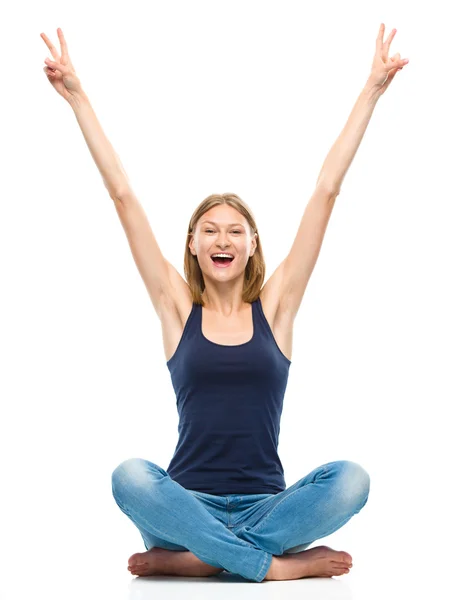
{"x": 222, "y": 229}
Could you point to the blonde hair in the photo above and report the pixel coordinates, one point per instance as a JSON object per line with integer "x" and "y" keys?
{"x": 255, "y": 268}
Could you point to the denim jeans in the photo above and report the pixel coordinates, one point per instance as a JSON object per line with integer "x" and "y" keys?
{"x": 238, "y": 533}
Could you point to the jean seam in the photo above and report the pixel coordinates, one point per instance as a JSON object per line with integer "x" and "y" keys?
{"x": 261, "y": 523}
{"x": 267, "y": 562}
{"x": 170, "y": 538}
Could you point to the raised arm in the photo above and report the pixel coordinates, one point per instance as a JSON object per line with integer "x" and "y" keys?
{"x": 303, "y": 255}
{"x": 61, "y": 74}
{"x": 161, "y": 279}
{"x": 383, "y": 70}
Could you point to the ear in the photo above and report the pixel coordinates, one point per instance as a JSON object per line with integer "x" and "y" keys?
{"x": 254, "y": 243}
{"x": 191, "y": 242}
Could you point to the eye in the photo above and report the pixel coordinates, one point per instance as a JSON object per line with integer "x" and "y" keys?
{"x": 234, "y": 231}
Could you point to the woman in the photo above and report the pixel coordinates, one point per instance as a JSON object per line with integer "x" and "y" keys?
{"x": 222, "y": 504}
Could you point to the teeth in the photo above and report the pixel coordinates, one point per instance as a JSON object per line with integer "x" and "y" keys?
{"x": 221, "y": 254}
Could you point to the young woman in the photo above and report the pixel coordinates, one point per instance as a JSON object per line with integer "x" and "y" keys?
{"x": 222, "y": 504}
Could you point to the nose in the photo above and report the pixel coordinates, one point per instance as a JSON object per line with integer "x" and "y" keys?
{"x": 223, "y": 247}
{"x": 222, "y": 243}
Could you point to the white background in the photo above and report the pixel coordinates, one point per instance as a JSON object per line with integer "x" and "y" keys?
{"x": 201, "y": 97}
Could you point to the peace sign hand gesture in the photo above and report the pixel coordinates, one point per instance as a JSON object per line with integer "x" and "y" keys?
{"x": 60, "y": 72}
{"x": 384, "y": 68}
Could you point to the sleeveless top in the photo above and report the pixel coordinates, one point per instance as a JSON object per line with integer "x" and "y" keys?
{"x": 229, "y": 400}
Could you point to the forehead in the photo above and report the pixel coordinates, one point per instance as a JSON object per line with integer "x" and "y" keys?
{"x": 223, "y": 215}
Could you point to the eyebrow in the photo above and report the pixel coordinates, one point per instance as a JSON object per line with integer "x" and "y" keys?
{"x": 214, "y": 223}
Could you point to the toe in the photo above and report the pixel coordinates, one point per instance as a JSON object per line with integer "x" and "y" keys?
{"x": 339, "y": 565}
{"x": 347, "y": 557}
{"x": 135, "y": 559}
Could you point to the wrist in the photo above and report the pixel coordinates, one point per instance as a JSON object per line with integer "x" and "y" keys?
{"x": 371, "y": 91}
{"x": 77, "y": 99}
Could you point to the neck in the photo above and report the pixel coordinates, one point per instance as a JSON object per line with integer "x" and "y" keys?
{"x": 225, "y": 306}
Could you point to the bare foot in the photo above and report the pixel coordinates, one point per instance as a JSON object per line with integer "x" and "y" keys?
{"x": 321, "y": 561}
{"x": 159, "y": 561}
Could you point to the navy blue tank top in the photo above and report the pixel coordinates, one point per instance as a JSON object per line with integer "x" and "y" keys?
{"x": 229, "y": 400}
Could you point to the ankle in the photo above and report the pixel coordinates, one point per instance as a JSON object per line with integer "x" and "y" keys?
{"x": 171, "y": 562}
{"x": 274, "y": 571}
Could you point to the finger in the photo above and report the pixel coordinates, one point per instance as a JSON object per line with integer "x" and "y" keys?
{"x": 388, "y": 41}
{"x": 393, "y": 60}
{"x": 380, "y": 36}
{"x": 48, "y": 72}
{"x": 64, "y": 47}
{"x": 398, "y": 62}
{"x": 51, "y": 47}
{"x": 56, "y": 66}
{"x": 401, "y": 61}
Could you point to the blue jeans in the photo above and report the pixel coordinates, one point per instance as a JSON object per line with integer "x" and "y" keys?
{"x": 238, "y": 533}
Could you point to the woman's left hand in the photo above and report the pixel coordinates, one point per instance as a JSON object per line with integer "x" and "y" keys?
{"x": 384, "y": 68}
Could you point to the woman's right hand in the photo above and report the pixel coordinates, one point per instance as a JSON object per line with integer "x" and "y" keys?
{"x": 60, "y": 72}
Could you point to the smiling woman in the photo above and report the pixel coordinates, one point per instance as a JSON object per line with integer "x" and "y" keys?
{"x": 230, "y": 391}
{"x": 213, "y": 235}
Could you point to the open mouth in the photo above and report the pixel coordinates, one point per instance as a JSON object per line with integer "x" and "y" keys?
{"x": 222, "y": 262}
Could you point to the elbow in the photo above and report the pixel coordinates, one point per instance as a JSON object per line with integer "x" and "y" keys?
{"x": 328, "y": 186}
{"x": 118, "y": 193}
{"x": 329, "y": 190}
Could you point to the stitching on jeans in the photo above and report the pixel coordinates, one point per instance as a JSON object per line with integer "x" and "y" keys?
{"x": 267, "y": 562}
{"x": 172, "y": 539}
{"x": 261, "y": 523}
{"x": 255, "y": 530}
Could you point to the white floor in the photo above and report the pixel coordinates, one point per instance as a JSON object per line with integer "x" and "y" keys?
{"x": 374, "y": 583}
{"x": 227, "y": 586}
{"x": 95, "y": 574}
